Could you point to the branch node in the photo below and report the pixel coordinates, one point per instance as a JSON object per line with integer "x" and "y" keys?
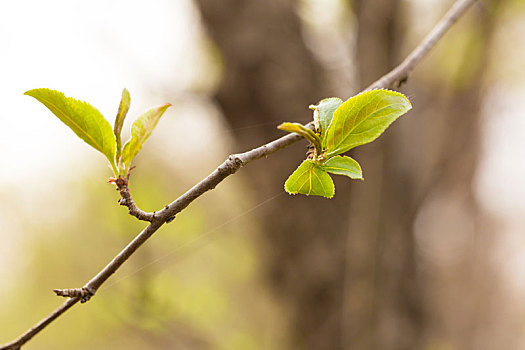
{"x": 83, "y": 293}
{"x": 401, "y": 81}
{"x": 235, "y": 161}
{"x": 126, "y": 200}
{"x": 310, "y": 151}
{"x": 170, "y": 219}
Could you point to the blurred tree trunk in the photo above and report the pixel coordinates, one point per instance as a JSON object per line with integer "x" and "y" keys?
{"x": 269, "y": 77}
{"x": 461, "y": 286}
{"x": 425, "y": 165}
{"x": 382, "y": 298}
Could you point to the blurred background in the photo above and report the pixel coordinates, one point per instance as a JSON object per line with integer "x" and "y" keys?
{"x": 426, "y": 253}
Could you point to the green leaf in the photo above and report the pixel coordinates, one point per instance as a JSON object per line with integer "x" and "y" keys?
{"x": 310, "y": 179}
{"x": 119, "y": 121}
{"x": 323, "y": 114}
{"x": 85, "y": 120}
{"x": 140, "y": 131}
{"x": 362, "y": 118}
{"x": 343, "y": 165}
{"x": 304, "y": 132}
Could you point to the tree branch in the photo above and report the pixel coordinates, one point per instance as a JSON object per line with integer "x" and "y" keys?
{"x": 228, "y": 167}
{"x": 400, "y": 74}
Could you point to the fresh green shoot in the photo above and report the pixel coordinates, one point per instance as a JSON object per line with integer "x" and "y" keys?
{"x": 91, "y": 126}
{"x": 339, "y": 127}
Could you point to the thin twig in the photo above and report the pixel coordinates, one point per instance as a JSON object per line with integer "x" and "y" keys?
{"x": 400, "y": 74}
{"x": 228, "y": 167}
{"x": 134, "y": 210}
{"x": 125, "y": 198}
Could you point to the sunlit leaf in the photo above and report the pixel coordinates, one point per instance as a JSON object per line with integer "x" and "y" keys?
{"x": 362, "y": 118}
{"x": 310, "y": 179}
{"x": 324, "y": 112}
{"x": 140, "y": 131}
{"x": 303, "y": 131}
{"x": 85, "y": 120}
{"x": 343, "y": 165}
{"x": 119, "y": 120}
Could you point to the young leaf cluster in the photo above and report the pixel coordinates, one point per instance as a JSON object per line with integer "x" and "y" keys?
{"x": 339, "y": 127}
{"x": 91, "y": 126}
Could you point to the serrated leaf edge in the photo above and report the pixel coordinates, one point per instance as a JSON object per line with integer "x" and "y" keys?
{"x": 314, "y": 165}
{"x": 355, "y": 126}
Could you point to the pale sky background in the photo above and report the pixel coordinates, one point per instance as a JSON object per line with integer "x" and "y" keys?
{"x": 91, "y": 50}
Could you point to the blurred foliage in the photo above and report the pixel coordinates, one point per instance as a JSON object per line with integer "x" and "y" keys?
{"x": 195, "y": 284}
